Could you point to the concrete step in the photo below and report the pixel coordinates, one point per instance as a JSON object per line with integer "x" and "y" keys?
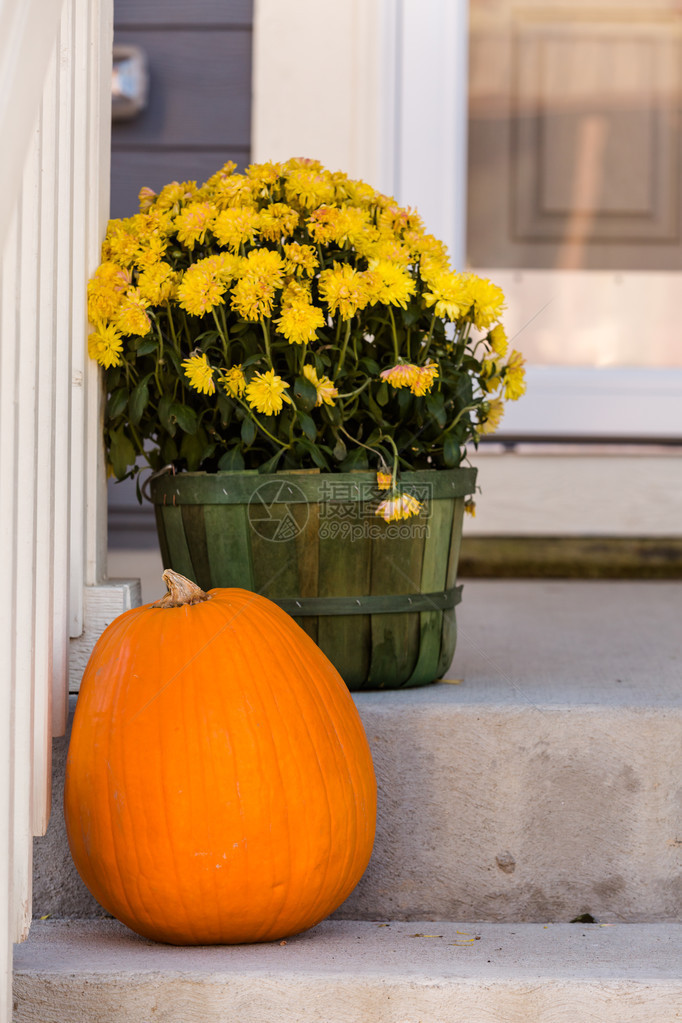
{"x": 356, "y": 972}
{"x": 540, "y": 783}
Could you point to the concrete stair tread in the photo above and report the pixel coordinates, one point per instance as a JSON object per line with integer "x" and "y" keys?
{"x": 347, "y": 971}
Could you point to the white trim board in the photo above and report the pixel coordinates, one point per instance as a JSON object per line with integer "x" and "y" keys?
{"x": 625, "y": 402}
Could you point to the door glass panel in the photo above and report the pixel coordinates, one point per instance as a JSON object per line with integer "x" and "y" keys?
{"x": 574, "y": 176}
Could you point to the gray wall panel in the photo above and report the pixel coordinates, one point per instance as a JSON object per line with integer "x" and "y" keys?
{"x": 180, "y": 12}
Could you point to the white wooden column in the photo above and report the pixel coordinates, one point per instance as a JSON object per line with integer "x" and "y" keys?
{"x": 55, "y": 85}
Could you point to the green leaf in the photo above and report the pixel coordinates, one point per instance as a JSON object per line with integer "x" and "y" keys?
{"x": 117, "y": 402}
{"x": 147, "y": 345}
{"x": 370, "y": 365}
{"x": 121, "y": 452}
{"x": 165, "y": 418}
{"x": 307, "y": 424}
{"x": 271, "y": 463}
{"x": 185, "y": 417}
{"x": 356, "y": 459}
{"x": 382, "y": 394}
{"x": 450, "y": 451}
{"x": 314, "y": 452}
{"x": 305, "y": 393}
{"x": 248, "y": 431}
{"x": 139, "y": 399}
{"x": 435, "y": 403}
{"x": 231, "y": 461}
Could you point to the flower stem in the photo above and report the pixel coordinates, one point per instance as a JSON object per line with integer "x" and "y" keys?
{"x": 342, "y": 354}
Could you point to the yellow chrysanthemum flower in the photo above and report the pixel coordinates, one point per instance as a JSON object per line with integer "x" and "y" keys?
{"x": 174, "y": 193}
{"x": 236, "y": 226}
{"x": 300, "y": 259}
{"x": 225, "y": 172}
{"x": 105, "y": 291}
{"x": 265, "y": 393}
{"x": 470, "y": 507}
{"x": 201, "y": 288}
{"x": 132, "y": 317}
{"x": 514, "y": 377}
{"x": 277, "y": 221}
{"x": 264, "y": 263}
{"x": 121, "y": 244}
{"x": 344, "y": 289}
{"x": 384, "y": 480}
{"x": 150, "y": 252}
{"x": 497, "y": 337}
{"x": 253, "y": 298}
{"x": 265, "y": 173}
{"x": 234, "y": 381}
{"x": 492, "y": 412}
{"x": 157, "y": 284}
{"x": 399, "y": 506}
{"x": 299, "y": 321}
{"x": 105, "y": 345}
{"x": 199, "y": 373}
{"x": 310, "y": 187}
{"x": 389, "y": 283}
{"x": 487, "y": 301}
{"x": 326, "y": 392}
{"x": 193, "y": 222}
{"x": 234, "y": 190}
{"x": 449, "y": 292}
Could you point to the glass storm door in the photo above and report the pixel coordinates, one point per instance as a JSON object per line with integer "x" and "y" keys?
{"x": 574, "y": 205}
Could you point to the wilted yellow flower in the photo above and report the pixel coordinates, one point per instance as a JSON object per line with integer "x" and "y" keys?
{"x": 498, "y": 339}
{"x": 300, "y": 259}
{"x": 514, "y": 377}
{"x": 105, "y": 345}
{"x": 193, "y": 222}
{"x": 399, "y": 506}
{"x": 299, "y": 321}
{"x": 236, "y": 226}
{"x": 425, "y": 377}
{"x": 344, "y": 290}
{"x": 326, "y": 392}
{"x": 492, "y": 412}
{"x": 157, "y": 283}
{"x": 199, "y": 373}
{"x": 265, "y": 393}
{"x": 384, "y": 480}
{"x": 487, "y": 301}
{"x": 470, "y": 508}
{"x": 146, "y": 198}
{"x": 234, "y": 381}
{"x": 405, "y": 374}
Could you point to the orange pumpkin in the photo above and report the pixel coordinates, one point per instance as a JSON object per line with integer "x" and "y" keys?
{"x": 219, "y": 784}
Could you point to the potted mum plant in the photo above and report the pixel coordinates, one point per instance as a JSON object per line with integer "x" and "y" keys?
{"x": 293, "y": 356}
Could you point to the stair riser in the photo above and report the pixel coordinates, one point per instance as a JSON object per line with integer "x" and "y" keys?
{"x": 499, "y": 814}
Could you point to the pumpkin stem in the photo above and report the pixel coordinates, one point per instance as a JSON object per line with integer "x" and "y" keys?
{"x": 181, "y": 591}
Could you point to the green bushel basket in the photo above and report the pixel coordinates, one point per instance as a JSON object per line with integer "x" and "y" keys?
{"x": 378, "y": 598}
